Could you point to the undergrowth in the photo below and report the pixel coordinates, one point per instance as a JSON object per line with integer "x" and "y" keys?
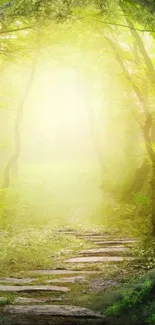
{"x": 27, "y": 249}
{"x": 136, "y": 303}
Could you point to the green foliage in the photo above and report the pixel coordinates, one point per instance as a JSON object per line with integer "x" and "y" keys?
{"x": 130, "y": 299}
{"x": 7, "y": 300}
{"x": 151, "y": 319}
{"x": 145, "y": 251}
{"x": 136, "y": 305}
{"x": 5, "y": 208}
{"x": 56, "y": 10}
{"x": 141, "y": 199}
{"x": 121, "y": 216}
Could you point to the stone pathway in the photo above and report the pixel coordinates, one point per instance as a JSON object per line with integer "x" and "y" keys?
{"x": 77, "y": 271}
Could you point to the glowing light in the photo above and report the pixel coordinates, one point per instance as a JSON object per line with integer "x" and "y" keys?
{"x": 56, "y": 120}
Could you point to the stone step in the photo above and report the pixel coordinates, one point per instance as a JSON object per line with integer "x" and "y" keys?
{"x": 72, "y": 233}
{"x": 24, "y": 301}
{"x": 80, "y": 234}
{"x": 33, "y": 288}
{"x": 51, "y": 315}
{"x": 107, "y": 251}
{"x": 28, "y": 301}
{"x": 116, "y": 246}
{"x": 97, "y": 238}
{"x": 76, "y": 279}
{"x": 92, "y": 234}
{"x": 17, "y": 280}
{"x": 109, "y": 238}
{"x": 63, "y": 272}
{"x": 99, "y": 259}
{"x": 115, "y": 242}
{"x": 70, "y": 279}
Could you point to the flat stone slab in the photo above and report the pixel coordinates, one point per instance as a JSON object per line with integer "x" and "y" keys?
{"x": 63, "y": 272}
{"x": 95, "y": 234}
{"x": 115, "y": 242}
{"x": 99, "y": 259}
{"x": 7, "y": 288}
{"x": 25, "y": 301}
{"x": 75, "y": 279}
{"x": 61, "y": 232}
{"x": 17, "y": 280}
{"x": 95, "y": 238}
{"x": 114, "y": 246}
{"x": 106, "y": 250}
{"x": 81, "y": 234}
{"x": 51, "y": 315}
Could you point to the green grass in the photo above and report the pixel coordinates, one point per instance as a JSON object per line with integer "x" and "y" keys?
{"x": 29, "y": 249}
{"x": 6, "y": 300}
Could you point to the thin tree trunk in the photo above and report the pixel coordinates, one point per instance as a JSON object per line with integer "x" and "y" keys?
{"x": 139, "y": 179}
{"x": 147, "y": 136}
{"x": 143, "y": 51}
{"x": 145, "y": 191}
{"x": 153, "y": 200}
{"x": 141, "y": 172}
{"x": 147, "y": 128}
{"x": 13, "y": 161}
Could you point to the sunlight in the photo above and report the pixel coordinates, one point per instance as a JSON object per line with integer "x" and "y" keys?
{"x": 60, "y": 122}
{"x": 57, "y": 129}
{"x": 61, "y": 110}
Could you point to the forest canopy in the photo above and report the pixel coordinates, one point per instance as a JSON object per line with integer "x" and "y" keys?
{"x": 103, "y": 51}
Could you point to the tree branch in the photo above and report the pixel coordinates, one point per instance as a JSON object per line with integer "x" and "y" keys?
{"x": 146, "y": 129}
{"x": 125, "y": 26}
{"x": 146, "y": 132}
{"x": 143, "y": 51}
{"x": 127, "y": 75}
{"x": 15, "y": 30}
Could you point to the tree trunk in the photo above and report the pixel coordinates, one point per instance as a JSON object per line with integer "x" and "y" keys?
{"x": 140, "y": 177}
{"x": 149, "y": 130}
{"x": 142, "y": 172}
{"x": 153, "y": 200}
{"x": 148, "y": 127}
{"x": 13, "y": 161}
{"x": 143, "y": 51}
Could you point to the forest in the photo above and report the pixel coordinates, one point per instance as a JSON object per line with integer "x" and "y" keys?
{"x": 77, "y": 162}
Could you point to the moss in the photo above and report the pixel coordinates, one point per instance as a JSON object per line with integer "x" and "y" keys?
{"x": 6, "y": 300}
